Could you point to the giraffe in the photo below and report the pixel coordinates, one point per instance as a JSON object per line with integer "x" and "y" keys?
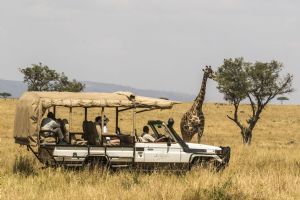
{"x": 193, "y": 120}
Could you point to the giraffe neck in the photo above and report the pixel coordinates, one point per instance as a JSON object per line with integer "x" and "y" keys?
{"x": 201, "y": 96}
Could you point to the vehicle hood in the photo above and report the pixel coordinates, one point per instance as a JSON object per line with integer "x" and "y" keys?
{"x": 203, "y": 146}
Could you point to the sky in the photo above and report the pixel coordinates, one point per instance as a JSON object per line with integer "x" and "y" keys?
{"x": 148, "y": 44}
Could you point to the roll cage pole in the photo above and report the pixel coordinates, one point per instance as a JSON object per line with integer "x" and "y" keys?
{"x": 133, "y": 122}
{"x": 102, "y": 120}
{"x": 70, "y": 118}
{"x": 117, "y": 118}
{"x": 85, "y": 114}
{"x": 54, "y": 111}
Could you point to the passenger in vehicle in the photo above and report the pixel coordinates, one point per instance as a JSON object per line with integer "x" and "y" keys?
{"x": 50, "y": 124}
{"x": 65, "y": 127}
{"x": 146, "y": 136}
{"x": 109, "y": 139}
{"x": 105, "y": 120}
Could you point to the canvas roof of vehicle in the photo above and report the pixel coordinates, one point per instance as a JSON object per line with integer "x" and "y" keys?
{"x": 33, "y": 105}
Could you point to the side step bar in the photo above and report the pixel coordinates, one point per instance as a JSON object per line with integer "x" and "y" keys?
{"x": 121, "y": 166}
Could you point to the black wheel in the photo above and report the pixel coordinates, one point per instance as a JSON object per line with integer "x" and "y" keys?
{"x": 203, "y": 162}
{"x": 219, "y": 166}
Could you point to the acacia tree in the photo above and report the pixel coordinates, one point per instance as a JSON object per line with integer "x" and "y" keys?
{"x": 281, "y": 99}
{"x": 5, "y": 95}
{"x": 258, "y": 82}
{"x": 40, "y": 77}
{"x": 63, "y": 84}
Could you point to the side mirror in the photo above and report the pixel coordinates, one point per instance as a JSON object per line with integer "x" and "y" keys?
{"x": 170, "y": 122}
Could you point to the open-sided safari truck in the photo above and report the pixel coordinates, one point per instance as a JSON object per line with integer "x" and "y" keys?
{"x": 91, "y": 147}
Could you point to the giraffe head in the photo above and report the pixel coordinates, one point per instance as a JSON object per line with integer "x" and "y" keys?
{"x": 209, "y": 72}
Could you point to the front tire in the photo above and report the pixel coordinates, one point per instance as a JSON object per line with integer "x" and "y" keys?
{"x": 204, "y": 162}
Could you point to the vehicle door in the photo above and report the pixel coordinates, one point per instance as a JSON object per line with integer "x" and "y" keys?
{"x": 162, "y": 153}
{"x": 139, "y": 156}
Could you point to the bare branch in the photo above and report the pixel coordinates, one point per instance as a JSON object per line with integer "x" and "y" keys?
{"x": 235, "y": 118}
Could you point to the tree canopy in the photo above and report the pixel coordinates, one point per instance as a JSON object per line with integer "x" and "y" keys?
{"x": 40, "y": 77}
{"x": 282, "y": 98}
{"x": 259, "y": 82}
{"x": 5, "y": 95}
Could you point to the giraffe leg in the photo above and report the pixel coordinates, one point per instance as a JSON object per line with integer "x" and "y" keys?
{"x": 200, "y": 135}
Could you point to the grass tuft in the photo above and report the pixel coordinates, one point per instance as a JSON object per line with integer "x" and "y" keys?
{"x": 23, "y": 166}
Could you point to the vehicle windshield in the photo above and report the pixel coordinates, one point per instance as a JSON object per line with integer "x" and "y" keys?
{"x": 163, "y": 130}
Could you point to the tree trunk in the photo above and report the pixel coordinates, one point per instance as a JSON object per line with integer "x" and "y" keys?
{"x": 247, "y": 136}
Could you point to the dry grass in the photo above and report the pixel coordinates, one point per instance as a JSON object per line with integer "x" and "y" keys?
{"x": 268, "y": 169}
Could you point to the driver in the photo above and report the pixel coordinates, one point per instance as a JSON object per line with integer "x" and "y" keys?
{"x": 146, "y": 136}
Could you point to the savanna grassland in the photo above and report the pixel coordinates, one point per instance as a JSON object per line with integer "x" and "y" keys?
{"x": 268, "y": 169}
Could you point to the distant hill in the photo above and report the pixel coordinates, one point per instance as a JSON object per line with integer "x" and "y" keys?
{"x": 16, "y": 88}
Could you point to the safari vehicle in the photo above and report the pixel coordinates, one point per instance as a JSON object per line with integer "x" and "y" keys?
{"x": 131, "y": 151}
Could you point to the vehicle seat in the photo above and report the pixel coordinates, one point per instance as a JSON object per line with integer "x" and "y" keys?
{"x": 48, "y": 140}
{"x": 84, "y": 129}
{"x": 65, "y": 127}
{"x": 91, "y": 133}
{"x": 126, "y": 140}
